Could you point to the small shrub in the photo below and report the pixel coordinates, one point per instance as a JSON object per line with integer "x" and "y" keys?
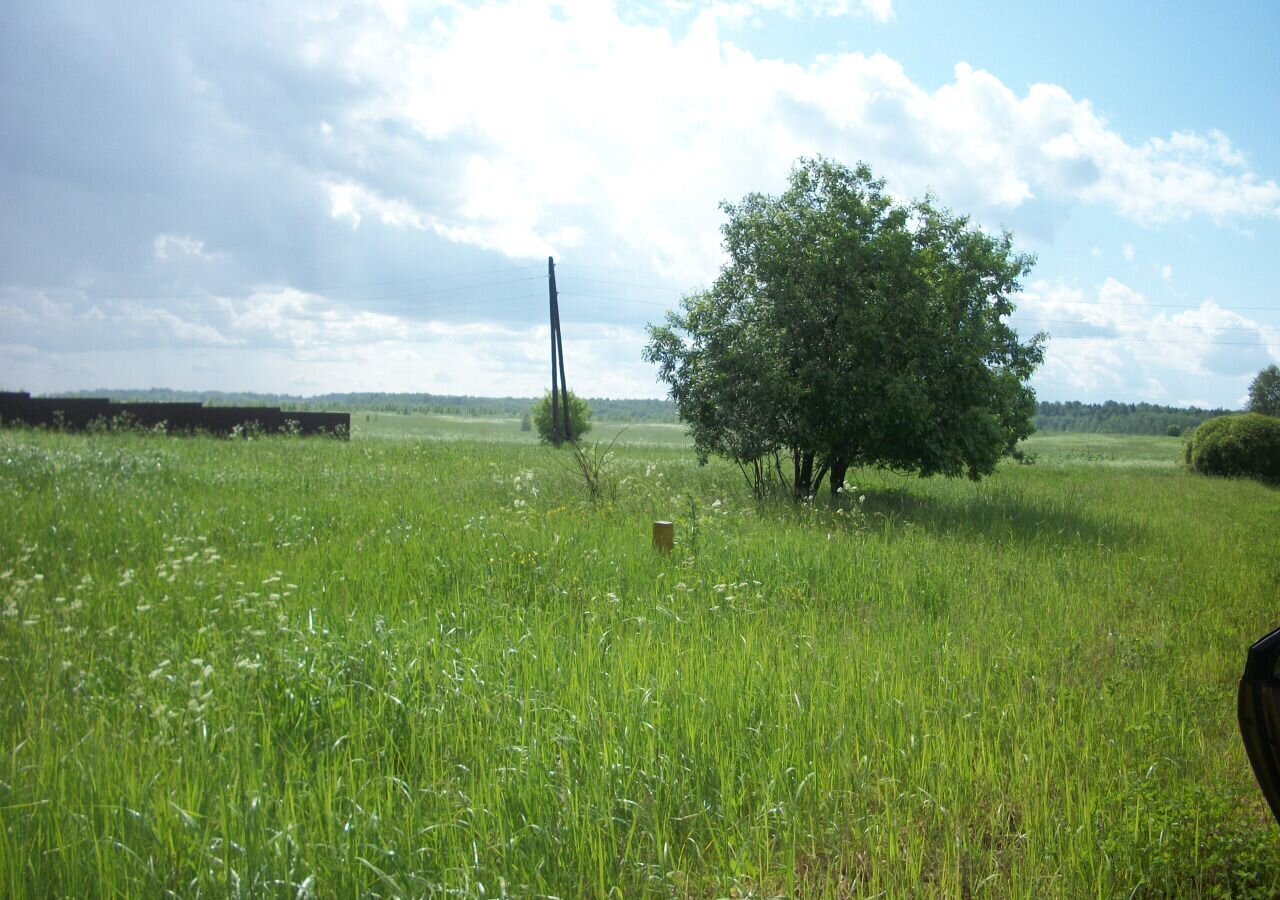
{"x": 579, "y": 418}
{"x": 1244, "y": 445}
{"x": 1174, "y": 431}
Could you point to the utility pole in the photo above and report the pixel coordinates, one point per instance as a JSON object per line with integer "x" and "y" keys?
{"x": 555, "y": 326}
{"x": 560, "y": 392}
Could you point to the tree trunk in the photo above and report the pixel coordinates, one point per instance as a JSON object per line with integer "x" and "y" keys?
{"x": 839, "y": 466}
{"x": 816, "y": 484}
{"x": 804, "y": 475}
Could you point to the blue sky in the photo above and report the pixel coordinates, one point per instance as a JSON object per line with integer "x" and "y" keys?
{"x": 333, "y": 196}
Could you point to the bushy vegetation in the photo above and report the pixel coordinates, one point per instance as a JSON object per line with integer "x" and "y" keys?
{"x": 546, "y": 426}
{"x": 433, "y": 668}
{"x": 1243, "y": 445}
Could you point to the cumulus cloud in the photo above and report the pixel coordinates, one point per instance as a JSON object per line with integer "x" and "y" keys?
{"x": 519, "y": 127}
{"x": 634, "y": 132}
{"x": 1174, "y": 179}
{"x": 1113, "y": 336}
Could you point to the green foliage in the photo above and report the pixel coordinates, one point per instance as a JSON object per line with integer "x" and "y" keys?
{"x": 1242, "y": 445}
{"x": 849, "y": 330}
{"x": 526, "y": 422}
{"x": 579, "y": 418}
{"x": 1264, "y": 392}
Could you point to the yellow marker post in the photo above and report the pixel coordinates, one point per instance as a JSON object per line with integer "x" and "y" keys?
{"x": 664, "y": 536}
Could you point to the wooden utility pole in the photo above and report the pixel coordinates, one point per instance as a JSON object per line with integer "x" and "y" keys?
{"x": 560, "y": 431}
{"x": 555, "y": 326}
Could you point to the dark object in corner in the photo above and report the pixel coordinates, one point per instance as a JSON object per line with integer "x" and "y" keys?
{"x": 1259, "y": 711}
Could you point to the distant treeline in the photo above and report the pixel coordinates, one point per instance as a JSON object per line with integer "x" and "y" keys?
{"x": 1120, "y": 418}
{"x": 604, "y": 409}
{"x": 1071, "y": 415}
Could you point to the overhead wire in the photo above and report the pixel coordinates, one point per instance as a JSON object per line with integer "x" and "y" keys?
{"x": 1162, "y": 341}
{"x": 666, "y": 289}
{"x": 578, "y": 296}
{"x": 153, "y": 313}
{"x": 1160, "y": 325}
{"x": 412, "y": 305}
{"x": 330, "y": 289}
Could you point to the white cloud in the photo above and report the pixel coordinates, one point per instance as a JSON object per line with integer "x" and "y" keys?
{"x": 172, "y": 246}
{"x": 1113, "y": 336}
{"x": 351, "y": 202}
{"x": 738, "y": 10}
{"x": 629, "y": 134}
{"x": 1175, "y": 179}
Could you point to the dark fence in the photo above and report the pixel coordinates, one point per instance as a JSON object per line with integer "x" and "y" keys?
{"x": 78, "y": 414}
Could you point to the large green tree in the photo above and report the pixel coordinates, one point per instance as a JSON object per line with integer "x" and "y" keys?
{"x": 1264, "y": 392}
{"x": 849, "y": 329}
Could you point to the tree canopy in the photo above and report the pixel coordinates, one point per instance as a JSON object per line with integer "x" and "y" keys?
{"x": 849, "y": 329}
{"x": 1264, "y": 392}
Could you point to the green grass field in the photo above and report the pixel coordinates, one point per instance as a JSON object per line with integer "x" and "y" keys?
{"x": 422, "y": 426}
{"x": 416, "y": 666}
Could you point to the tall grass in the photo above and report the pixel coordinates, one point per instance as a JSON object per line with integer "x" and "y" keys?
{"x": 385, "y": 668}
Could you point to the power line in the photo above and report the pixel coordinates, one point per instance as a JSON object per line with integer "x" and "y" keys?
{"x": 451, "y": 290}
{"x": 153, "y": 314}
{"x": 412, "y": 308}
{"x": 487, "y": 273}
{"x": 683, "y": 275}
{"x": 1137, "y": 340}
{"x": 124, "y": 298}
{"x": 648, "y": 287}
{"x": 244, "y": 298}
{"x": 1148, "y": 325}
{"x": 438, "y": 276}
{"x": 1095, "y": 305}
{"x": 578, "y": 296}
{"x": 1023, "y": 298}
{"x": 488, "y": 301}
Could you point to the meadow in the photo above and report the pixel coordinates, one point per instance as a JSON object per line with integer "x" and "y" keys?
{"x": 424, "y": 663}
{"x": 426, "y": 426}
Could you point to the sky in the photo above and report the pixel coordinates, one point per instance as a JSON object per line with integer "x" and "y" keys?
{"x": 328, "y": 196}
